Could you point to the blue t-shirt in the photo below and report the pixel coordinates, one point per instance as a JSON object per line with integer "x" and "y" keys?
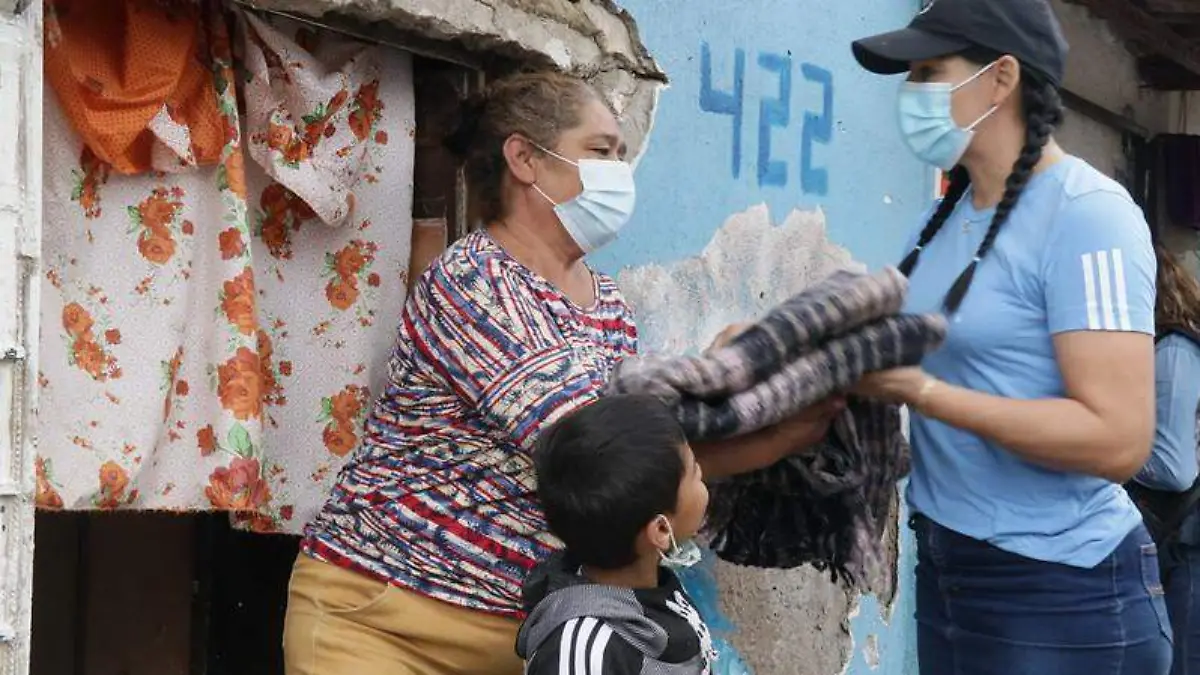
{"x": 1074, "y": 255}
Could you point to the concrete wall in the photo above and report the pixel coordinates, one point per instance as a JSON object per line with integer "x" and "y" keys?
{"x": 773, "y": 159}
{"x": 1103, "y": 71}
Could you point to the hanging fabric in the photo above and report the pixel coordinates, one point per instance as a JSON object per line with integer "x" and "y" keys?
{"x": 207, "y": 343}
{"x": 330, "y": 297}
{"x": 129, "y": 76}
{"x": 314, "y": 118}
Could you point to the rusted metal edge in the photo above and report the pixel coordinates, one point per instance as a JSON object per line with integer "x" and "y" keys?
{"x": 374, "y": 34}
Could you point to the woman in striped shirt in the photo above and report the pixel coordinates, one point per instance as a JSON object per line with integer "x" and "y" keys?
{"x": 416, "y": 561}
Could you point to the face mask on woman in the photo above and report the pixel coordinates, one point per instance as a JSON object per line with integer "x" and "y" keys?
{"x": 927, "y": 121}
{"x": 595, "y": 216}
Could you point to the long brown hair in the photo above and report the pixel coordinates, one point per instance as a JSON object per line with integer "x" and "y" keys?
{"x": 1178, "y": 303}
{"x": 539, "y": 105}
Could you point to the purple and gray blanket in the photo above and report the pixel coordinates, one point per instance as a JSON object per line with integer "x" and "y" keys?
{"x": 829, "y": 506}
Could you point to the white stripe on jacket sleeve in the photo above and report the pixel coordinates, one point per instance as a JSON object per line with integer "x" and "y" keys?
{"x": 579, "y": 665}
{"x": 564, "y": 646}
{"x": 596, "y": 655}
{"x": 582, "y": 647}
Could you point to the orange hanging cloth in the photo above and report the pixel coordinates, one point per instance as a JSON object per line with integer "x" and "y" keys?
{"x": 128, "y": 76}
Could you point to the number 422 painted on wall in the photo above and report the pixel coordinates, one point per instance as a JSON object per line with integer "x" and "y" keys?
{"x": 773, "y": 113}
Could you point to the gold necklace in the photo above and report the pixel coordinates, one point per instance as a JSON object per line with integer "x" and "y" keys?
{"x": 968, "y": 222}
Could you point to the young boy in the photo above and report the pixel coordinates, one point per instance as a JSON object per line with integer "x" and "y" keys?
{"x": 621, "y": 489}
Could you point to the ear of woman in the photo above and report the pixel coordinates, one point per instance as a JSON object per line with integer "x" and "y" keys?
{"x": 519, "y": 156}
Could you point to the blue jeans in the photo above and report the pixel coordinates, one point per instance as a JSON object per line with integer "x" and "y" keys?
{"x": 1181, "y": 576}
{"x": 985, "y": 611}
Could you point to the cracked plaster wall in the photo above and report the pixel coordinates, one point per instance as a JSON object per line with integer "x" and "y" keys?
{"x": 1103, "y": 71}
{"x": 793, "y": 622}
{"x": 736, "y": 211}
{"x": 593, "y": 38}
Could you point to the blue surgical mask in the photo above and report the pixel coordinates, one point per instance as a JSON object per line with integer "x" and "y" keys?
{"x": 597, "y": 214}
{"x": 679, "y": 556}
{"x": 927, "y": 122}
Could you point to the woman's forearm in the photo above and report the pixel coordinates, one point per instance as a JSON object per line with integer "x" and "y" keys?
{"x": 1058, "y": 433}
{"x": 743, "y": 454}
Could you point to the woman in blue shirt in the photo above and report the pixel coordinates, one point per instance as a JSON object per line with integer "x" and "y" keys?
{"x": 1031, "y": 557}
{"x": 1173, "y": 462}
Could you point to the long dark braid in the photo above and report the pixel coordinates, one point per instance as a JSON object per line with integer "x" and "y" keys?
{"x": 1043, "y": 111}
{"x": 960, "y": 180}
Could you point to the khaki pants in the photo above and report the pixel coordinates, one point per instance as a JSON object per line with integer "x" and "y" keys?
{"x": 343, "y": 623}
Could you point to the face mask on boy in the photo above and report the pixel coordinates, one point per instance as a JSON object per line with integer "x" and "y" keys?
{"x": 679, "y": 556}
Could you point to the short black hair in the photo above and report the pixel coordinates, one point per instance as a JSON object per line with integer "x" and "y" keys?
{"x": 605, "y": 471}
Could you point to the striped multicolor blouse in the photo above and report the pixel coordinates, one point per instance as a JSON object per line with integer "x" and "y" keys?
{"x": 440, "y": 498}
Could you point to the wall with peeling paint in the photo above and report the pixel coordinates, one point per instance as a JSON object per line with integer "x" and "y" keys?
{"x": 773, "y": 160}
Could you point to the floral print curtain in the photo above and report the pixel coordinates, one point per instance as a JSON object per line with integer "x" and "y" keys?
{"x": 212, "y": 335}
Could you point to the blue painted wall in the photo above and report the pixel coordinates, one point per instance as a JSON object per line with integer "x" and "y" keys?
{"x": 802, "y": 126}
{"x": 766, "y": 105}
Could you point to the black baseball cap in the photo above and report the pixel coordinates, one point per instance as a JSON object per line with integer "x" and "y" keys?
{"x": 1025, "y": 29}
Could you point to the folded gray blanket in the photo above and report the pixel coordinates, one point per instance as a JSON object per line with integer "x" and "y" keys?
{"x": 835, "y": 306}
{"x": 829, "y": 506}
